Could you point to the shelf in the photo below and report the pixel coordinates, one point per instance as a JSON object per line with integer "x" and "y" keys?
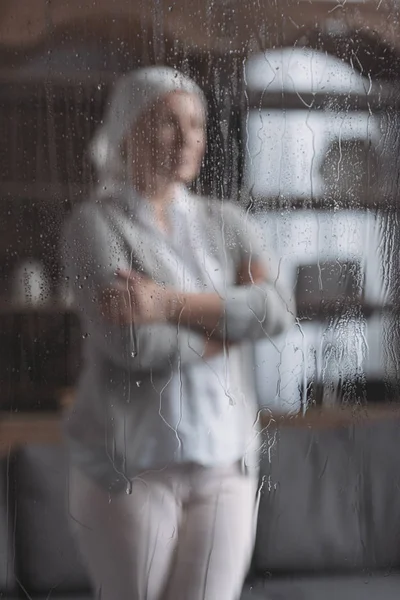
{"x": 289, "y": 204}
{"x": 22, "y": 429}
{"x": 22, "y": 77}
{"x": 74, "y": 192}
{"x": 340, "y": 416}
{"x": 305, "y": 313}
{"x": 44, "y": 192}
{"x": 8, "y": 308}
{"x": 319, "y": 311}
{"x": 24, "y": 88}
{"x": 378, "y": 100}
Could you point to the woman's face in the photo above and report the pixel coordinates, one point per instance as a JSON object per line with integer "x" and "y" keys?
{"x": 169, "y": 140}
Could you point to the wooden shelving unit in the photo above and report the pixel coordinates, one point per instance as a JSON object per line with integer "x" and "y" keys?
{"x": 21, "y": 430}
{"x": 45, "y": 127}
{"x": 29, "y": 429}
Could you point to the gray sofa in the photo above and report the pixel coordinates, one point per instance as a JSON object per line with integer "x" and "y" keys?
{"x": 329, "y": 520}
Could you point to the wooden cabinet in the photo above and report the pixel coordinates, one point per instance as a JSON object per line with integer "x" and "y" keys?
{"x": 40, "y": 352}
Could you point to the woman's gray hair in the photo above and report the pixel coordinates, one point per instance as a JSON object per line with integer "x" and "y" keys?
{"x": 132, "y": 95}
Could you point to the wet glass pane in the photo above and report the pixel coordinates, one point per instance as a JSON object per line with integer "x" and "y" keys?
{"x": 199, "y": 304}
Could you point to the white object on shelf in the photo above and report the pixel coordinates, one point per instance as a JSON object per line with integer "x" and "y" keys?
{"x": 31, "y": 286}
{"x": 66, "y": 295}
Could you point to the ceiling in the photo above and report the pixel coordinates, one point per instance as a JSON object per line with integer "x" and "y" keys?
{"x": 365, "y": 31}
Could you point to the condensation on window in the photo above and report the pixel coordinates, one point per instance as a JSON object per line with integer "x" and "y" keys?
{"x": 314, "y": 173}
{"x": 289, "y": 223}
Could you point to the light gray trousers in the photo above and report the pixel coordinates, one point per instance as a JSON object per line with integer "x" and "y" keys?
{"x": 185, "y": 533}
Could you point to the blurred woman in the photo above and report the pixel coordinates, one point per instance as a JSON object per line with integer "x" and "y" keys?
{"x": 172, "y": 290}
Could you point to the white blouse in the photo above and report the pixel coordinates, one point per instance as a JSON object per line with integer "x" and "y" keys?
{"x": 163, "y": 402}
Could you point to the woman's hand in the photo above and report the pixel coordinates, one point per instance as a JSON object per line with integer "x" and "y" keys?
{"x": 206, "y": 310}
{"x": 138, "y": 299}
{"x": 214, "y": 347}
{"x": 251, "y": 272}
{"x": 135, "y": 298}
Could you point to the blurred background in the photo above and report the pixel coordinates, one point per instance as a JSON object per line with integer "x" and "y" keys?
{"x": 304, "y": 121}
{"x": 304, "y": 113}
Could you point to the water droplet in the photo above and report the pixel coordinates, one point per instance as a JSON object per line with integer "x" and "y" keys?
{"x": 129, "y": 488}
{"x": 138, "y": 383}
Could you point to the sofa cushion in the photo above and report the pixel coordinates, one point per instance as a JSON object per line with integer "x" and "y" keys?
{"x": 367, "y": 587}
{"x": 47, "y": 555}
{"x": 330, "y": 498}
{"x": 7, "y": 579}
